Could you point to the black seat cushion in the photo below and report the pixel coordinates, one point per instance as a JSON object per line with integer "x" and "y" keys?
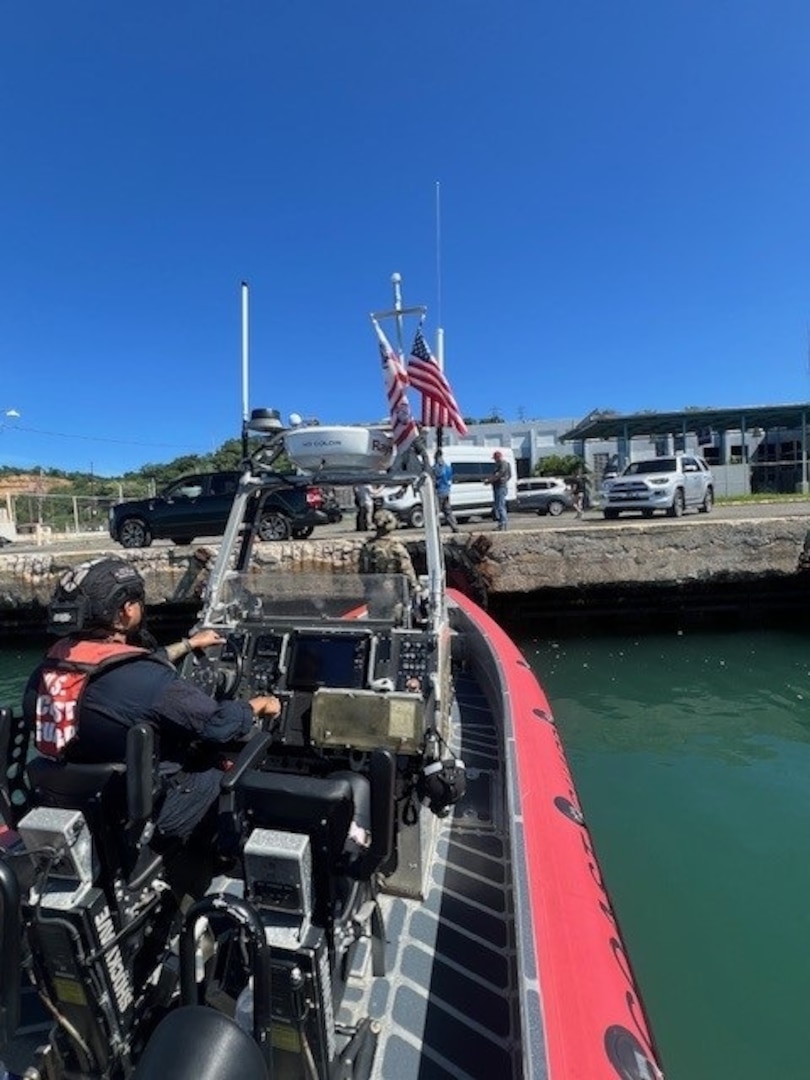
{"x": 198, "y": 1043}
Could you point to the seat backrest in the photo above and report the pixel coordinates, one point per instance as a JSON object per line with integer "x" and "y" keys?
{"x": 116, "y": 798}
{"x": 322, "y": 807}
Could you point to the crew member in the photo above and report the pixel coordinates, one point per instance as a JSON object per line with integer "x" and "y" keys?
{"x": 380, "y": 557}
{"x": 94, "y": 684}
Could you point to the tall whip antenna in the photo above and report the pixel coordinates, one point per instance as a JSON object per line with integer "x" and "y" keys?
{"x": 438, "y": 253}
{"x": 245, "y": 404}
{"x": 439, "y": 330}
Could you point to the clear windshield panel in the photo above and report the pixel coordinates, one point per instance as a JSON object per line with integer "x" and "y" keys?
{"x": 271, "y": 592}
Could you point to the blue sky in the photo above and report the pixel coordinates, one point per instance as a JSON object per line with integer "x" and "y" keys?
{"x": 625, "y": 210}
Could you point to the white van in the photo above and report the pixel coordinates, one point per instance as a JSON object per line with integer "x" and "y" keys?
{"x": 471, "y": 495}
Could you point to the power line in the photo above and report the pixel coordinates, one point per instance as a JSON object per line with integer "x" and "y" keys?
{"x": 101, "y": 438}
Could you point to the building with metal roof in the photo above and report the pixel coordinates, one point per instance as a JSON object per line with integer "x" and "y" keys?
{"x": 757, "y": 448}
{"x": 602, "y": 425}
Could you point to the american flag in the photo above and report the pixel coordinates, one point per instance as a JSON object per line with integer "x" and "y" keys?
{"x": 402, "y": 422}
{"x": 439, "y": 408}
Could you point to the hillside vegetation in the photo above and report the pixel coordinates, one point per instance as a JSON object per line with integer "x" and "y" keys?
{"x": 151, "y": 477}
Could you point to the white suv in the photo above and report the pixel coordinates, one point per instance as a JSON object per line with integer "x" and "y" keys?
{"x": 672, "y": 484}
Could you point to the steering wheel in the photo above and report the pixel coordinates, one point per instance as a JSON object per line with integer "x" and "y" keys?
{"x": 218, "y": 679}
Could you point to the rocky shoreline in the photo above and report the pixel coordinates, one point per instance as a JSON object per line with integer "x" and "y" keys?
{"x": 557, "y": 574}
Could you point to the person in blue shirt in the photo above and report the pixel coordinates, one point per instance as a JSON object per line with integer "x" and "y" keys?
{"x": 443, "y": 480}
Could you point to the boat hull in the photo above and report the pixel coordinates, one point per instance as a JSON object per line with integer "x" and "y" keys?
{"x": 582, "y": 1014}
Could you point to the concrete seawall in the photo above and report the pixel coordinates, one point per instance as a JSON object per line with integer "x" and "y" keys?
{"x": 524, "y": 569}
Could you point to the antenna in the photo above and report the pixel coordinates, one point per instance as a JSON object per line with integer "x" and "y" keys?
{"x": 396, "y": 282}
{"x": 245, "y": 395}
{"x": 439, "y": 330}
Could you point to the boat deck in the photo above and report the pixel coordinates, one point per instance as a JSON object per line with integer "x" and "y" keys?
{"x": 445, "y": 1005}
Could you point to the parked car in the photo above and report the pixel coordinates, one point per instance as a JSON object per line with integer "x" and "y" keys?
{"x": 543, "y": 495}
{"x": 199, "y": 505}
{"x": 671, "y": 484}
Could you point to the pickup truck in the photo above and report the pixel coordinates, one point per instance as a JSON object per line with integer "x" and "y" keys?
{"x": 672, "y": 484}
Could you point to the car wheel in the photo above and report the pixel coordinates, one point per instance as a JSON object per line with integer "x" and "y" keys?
{"x": 416, "y": 518}
{"x": 708, "y": 502}
{"x": 610, "y": 515}
{"x": 180, "y": 540}
{"x": 301, "y": 532}
{"x": 134, "y": 533}
{"x": 274, "y": 526}
{"x": 676, "y": 510}
{"x": 555, "y": 507}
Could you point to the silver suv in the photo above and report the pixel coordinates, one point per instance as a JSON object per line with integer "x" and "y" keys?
{"x": 672, "y": 484}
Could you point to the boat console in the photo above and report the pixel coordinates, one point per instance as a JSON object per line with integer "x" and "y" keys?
{"x": 341, "y": 688}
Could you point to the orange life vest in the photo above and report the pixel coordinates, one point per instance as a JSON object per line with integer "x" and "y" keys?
{"x": 68, "y": 667}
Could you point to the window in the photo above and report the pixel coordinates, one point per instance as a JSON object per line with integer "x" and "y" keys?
{"x": 469, "y": 472}
{"x": 224, "y": 484}
{"x": 190, "y": 487}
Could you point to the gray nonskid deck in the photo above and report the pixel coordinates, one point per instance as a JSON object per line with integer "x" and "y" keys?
{"x": 446, "y": 1006}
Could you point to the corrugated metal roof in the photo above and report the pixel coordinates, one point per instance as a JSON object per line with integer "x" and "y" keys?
{"x": 609, "y": 425}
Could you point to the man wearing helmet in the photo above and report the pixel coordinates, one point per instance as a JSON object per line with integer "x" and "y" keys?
{"x": 383, "y": 553}
{"x": 381, "y": 557}
{"x": 95, "y": 683}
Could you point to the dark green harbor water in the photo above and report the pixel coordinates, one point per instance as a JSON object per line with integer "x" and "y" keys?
{"x": 691, "y": 755}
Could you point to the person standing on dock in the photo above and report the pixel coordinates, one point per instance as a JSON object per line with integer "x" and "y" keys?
{"x": 443, "y": 480}
{"x": 499, "y": 478}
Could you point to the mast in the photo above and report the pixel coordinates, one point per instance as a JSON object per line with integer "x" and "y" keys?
{"x": 396, "y": 282}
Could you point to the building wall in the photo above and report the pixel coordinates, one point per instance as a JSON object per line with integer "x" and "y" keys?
{"x": 760, "y": 461}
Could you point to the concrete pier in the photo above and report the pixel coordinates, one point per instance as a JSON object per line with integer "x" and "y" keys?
{"x": 525, "y": 569}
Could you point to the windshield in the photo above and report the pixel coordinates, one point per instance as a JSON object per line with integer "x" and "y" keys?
{"x": 272, "y": 592}
{"x": 654, "y": 465}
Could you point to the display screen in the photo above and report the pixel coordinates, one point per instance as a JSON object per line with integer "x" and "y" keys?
{"x": 328, "y": 660}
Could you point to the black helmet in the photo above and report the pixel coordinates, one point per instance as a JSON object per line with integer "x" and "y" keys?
{"x": 90, "y": 595}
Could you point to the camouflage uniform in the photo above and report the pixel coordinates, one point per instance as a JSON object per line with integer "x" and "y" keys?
{"x": 384, "y": 554}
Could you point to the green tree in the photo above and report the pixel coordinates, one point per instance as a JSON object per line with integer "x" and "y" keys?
{"x": 560, "y": 465}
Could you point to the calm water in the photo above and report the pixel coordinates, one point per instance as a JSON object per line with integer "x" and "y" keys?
{"x": 691, "y": 754}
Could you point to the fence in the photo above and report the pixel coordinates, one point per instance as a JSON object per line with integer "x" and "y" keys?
{"x": 35, "y": 513}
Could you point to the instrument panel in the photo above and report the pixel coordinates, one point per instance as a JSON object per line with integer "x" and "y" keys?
{"x": 294, "y": 663}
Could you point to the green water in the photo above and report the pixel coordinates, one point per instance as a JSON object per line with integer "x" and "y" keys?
{"x": 691, "y": 755}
